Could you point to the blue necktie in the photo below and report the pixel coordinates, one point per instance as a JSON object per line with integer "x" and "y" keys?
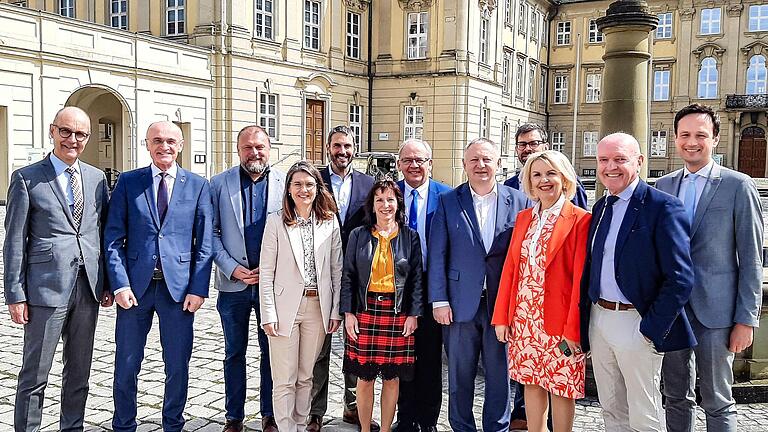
{"x": 690, "y": 196}
{"x": 413, "y": 212}
{"x": 162, "y": 197}
{"x": 598, "y": 248}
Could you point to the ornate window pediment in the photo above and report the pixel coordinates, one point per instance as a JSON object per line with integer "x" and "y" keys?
{"x": 487, "y": 6}
{"x": 415, "y": 5}
{"x": 357, "y": 5}
{"x": 709, "y": 50}
{"x": 755, "y": 48}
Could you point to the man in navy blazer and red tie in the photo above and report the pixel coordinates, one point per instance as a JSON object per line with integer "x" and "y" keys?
{"x": 637, "y": 278}
{"x": 158, "y": 243}
{"x": 418, "y": 406}
{"x": 468, "y": 242}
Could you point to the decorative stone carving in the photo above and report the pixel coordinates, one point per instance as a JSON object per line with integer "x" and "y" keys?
{"x": 735, "y": 10}
{"x": 415, "y": 5}
{"x": 709, "y": 50}
{"x": 487, "y": 5}
{"x": 755, "y": 48}
{"x": 357, "y": 5}
{"x": 687, "y": 14}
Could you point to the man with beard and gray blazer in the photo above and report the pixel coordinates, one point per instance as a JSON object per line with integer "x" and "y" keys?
{"x": 723, "y": 207}
{"x": 54, "y": 269}
{"x": 243, "y": 196}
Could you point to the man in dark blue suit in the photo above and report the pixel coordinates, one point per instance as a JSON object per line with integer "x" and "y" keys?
{"x": 637, "y": 278}
{"x": 158, "y": 242}
{"x": 418, "y": 406}
{"x": 468, "y": 242}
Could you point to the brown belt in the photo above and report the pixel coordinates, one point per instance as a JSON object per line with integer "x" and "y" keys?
{"x": 310, "y": 292}
{"x": 614, "y": 306}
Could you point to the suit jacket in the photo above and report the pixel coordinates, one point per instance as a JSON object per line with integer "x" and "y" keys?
{"x": 281, "y": 281}
{"x": 653, "y": 267}
{"x": 458, "y": 264}
{"x": 580, "y": 199}
{"x": 42, "y": 244}
{"x": 355, "y": 216}
{"x": 134, "y": 235}
{"x": 726, "y": 248}
{"x": 228, "y": 237}
{"x": 564, "y": 263}
{"x": 435, "y": 189}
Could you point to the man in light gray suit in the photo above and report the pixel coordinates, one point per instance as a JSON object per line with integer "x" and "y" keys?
{"x": 243, "y": 196}
{"x": 54, "y": 276}
{"x": 724, "y": 210}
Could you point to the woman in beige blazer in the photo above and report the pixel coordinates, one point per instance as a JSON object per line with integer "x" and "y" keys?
{"x": 299, "y": 286}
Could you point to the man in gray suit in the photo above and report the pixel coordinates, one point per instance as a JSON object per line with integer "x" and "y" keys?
{"x": 724, "y": 210}
{"x": 243, "y": 196}
{"x": 54, "y": 277}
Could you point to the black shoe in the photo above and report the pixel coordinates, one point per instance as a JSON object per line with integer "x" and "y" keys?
{"x": 425, "y": 428}
{"x": 405, "y": 426}
{"x": 315, "y": 423}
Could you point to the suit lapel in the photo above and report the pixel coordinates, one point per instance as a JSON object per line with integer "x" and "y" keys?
{"x": 502, "y": 210}
{"x": 149, "y": 194}
{"x": 326, "y": 175}
{"x": 633, "y": 209}
{"x": 431, "y": 205}
{"x": 676, "y": 182}
{"x": 563, "y": 226}
{"x": 468, "y": 208}
{"x": 297, "y": 247}
{"x": 710, "y": 188}
{"x": 235, "y": 197}
{"x": 50, "y": 174}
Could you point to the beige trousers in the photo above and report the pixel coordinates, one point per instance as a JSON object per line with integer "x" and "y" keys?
{"x": 292, "y": 359}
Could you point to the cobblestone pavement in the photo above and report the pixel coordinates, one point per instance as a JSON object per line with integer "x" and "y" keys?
{"x": 205, "y": 406}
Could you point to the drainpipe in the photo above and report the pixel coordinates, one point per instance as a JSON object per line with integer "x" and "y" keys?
{"x": 546, "y": 84}
{"x": 370, "y": 75}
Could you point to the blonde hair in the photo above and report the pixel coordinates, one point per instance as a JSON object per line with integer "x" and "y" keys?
{"x": 556, "y": 160}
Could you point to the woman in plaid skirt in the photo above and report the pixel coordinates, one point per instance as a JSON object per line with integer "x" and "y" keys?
{"x": 381, "y": 298}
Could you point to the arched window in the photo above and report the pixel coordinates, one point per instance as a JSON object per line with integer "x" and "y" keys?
{"x": 757, "y": 75}
{"x": 708, "y": 79}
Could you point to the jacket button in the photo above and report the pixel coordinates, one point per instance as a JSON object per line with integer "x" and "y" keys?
{"x": 154, "y": 257}
{"x": 160, "y": 236}
{"x": 245, "y": 258}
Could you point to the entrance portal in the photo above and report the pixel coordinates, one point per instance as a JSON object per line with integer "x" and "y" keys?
{"x": 752, "y": 152}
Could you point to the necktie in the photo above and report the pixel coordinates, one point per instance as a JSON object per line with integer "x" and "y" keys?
{"x": 413, "y": 212}
{"x": 690, "y": 196}
{"x": 598, "y": 247}
{"x": 77, "y": 195}
{"x": 162, "y": 197}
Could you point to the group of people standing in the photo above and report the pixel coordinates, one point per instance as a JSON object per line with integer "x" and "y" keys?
{"x": 517, "y": 277}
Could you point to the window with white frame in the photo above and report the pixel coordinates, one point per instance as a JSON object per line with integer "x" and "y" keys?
{"x": 659, "y": 143}
{"x": 505, "y": 72}
{"x": 543, "y": 86}
{"x": 557, "y": 140}
{"x": 590, "y": 144}
{"x": 519, "y": 79}
{"x": 531, "y": 81}
{"x": 521, "y": 19}
{"x": 758, "y": 17}
{"x": 561, "y": 89}
{"x": 483, "y": 40}
{"x": 485, "y": 118}
{"x": 175, "y": 17}
{"x": 508, "y": 12}
{"x": 356, "y": 122}
{"x": 504, "y": 138}
{"x": 312, "y": 25}
{"x": 756, "y": 75}
{"x": 264, "y": 16}
{"x": 708, "y": 79}
{"x": 268, "y": 113}
{"x": 594, "y": 81}
{"x": 595, "y": 35}
{"x": 661, "y": 85}
{"x": 353, "y": 35}
{"x": 534, "y": 24}
{"x": 118, "y": 14}
{"x": 67, "y": 8}
{"x": 564, "y": 33}
{"x": 664, "y": 30}
{"x": 544, "y": 30}
{"x": 417, "y": 35}
{"x": 710, "y": 21}
{"x": 414, "y": 122}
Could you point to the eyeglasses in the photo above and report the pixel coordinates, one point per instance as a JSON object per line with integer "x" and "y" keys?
{"x": 66, "y": 133}
{"x": 300, "y": 185}
{"x": 417, "y": 161}
{"x": 532, "y": 144}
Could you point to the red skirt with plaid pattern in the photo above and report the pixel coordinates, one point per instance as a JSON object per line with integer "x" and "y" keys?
{"x": 380, "y": 349}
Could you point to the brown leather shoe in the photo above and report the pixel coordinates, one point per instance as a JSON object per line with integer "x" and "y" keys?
{"x": 518, "y": 425}
{"x": 233, "y": 426}
{"x": 268, "y": 424}
{"x": 314, "y": 424}
{"x": 351, "y": 417}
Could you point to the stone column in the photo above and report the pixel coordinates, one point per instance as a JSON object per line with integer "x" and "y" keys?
{"x": 626, "y": 26}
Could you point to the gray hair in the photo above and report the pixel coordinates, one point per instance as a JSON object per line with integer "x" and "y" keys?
{"x": 483, "y": 141}
{"x": 423, "y": 143}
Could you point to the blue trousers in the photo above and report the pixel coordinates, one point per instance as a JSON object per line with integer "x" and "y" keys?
{"x": 235, "y": 311}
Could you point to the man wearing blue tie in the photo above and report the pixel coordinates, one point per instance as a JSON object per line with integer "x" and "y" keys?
{"x": 418, "y": 407}
{"x": 636, "y": 279}
{"x": 158, "y": 244}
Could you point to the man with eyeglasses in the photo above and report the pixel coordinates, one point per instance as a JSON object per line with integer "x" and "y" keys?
{"x": 418, "y": 406}
{"x": 54, "y": 271}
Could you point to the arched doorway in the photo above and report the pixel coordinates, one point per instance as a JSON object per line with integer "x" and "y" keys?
{"x": 752, "y": 149}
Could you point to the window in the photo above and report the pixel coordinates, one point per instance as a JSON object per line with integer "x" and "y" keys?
{"x": 593, "y": 87}
{"x": 664, "y": 30}
{"x": 353, "y": 35}
{"x": 561, "y": 89}
{"x": 543, "y": 87}
{"x": 483, "y": 41}
{"x": 544, "y": 30}
{"x": 590, "y": 143}
{"x": 661, "y": 85}
{"x": 505, "y": 138}
{"x": 264, "y": 16}
{"x": 710, "y": 21}
{"x": 534, "y": 24}
{"x": 521, "y": 26}
{"x": 312, "y": 25}
{"x": 268, "y": 113}
{"x": 659, "y": 143}
{"x": 118, "y": 14}
{"x": 22, "y": 3}
{"x": 758, "y": 18}
{"x": 519, "y": 91}
{"x": 595, "y": 35}
{"x": 356, "y": 122}
{"x": 505, "y": 72}
{"x": 508, "y": 12}
{"x": 417, "y": 35}
{"x": 67, "y": 8}
{"x": 564, "y": 33}
{"x": 485, "y": 114}
{"x": 414, "y": 122}
{"x": 531, "y": 80}
{"x": 756, "y": 75}
{"x": 558, "y": 141}
{"x": 175, "y": 17}
{"x": 708, "y": 79}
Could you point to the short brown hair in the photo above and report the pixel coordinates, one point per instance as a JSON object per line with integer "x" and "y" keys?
{"x": 699, "y": 109}
{"x": 323, "y": 207}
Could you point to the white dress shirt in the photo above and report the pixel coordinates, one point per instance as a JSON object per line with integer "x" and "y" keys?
{"x": 421, "y": 212}
{"x": 609, "y": 288}
{"x": 62, "y": 178}
{"x": 701, "y": 181}
{"x": 342, "y": 191}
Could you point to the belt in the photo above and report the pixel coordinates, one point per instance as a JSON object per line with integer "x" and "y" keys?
{"x": 310, "y": 292}
{"x": 157, "y": 275}
{"x": 614, "y": 306}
